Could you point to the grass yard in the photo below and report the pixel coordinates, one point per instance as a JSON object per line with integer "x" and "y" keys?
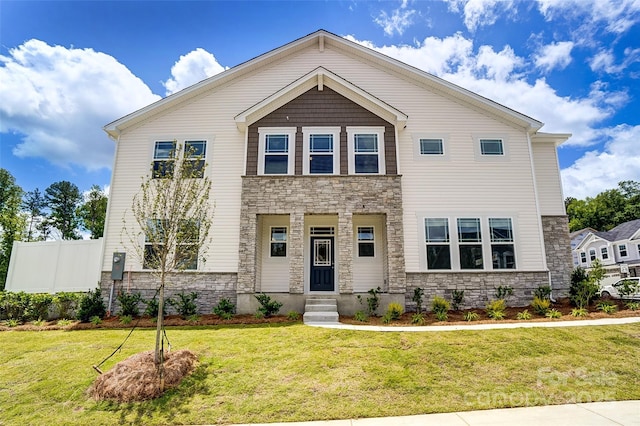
{"x": 277, "y": 373}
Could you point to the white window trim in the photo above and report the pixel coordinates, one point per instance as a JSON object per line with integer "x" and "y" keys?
{"x": 430, "y": 157}
{"x": 286, "y": 242}
{"x": 291, "y": 133}
{"x": 180, "y": 142}
{"x": 358, "y": 241}
{"x": 626, "y": 249}
{"x": 351, "y": 132}
{"x": 489, "y": 157}
{"x": 306, "y": 137}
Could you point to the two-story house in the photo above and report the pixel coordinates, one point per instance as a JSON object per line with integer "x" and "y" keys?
{"x": 337, "y": 169}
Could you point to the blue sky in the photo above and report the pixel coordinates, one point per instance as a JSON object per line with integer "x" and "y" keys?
{"x": 69, "y": 68}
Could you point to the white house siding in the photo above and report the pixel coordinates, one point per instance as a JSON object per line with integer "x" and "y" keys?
{"x": 368, "y": 272}
{"x": 545, "y": 163}
{"x": 274, "y": 271}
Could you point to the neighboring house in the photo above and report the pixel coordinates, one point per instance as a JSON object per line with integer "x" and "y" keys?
{"x": 337, "y": 169}
{"x": 576, "y": 238}
{"x": 618, "y": 249}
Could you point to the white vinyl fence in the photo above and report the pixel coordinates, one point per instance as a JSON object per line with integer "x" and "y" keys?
{"x": 54, "y": 266}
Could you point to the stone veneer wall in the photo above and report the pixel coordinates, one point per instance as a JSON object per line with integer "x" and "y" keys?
{"x": 479, "y": 287}
{"x": 298, "y": 196}
{"x": 211, "y": 287}
{"x": 557, "y": 245}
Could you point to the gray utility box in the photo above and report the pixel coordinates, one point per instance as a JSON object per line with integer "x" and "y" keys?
{"x": 117, "y": 266}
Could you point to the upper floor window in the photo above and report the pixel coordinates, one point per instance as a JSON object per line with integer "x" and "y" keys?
{"x": 321, "y": 150}
{"x": 194, "y": 153}
{"x": 164, "y": 156}
{"x": 622, "y": 249}
{"x": 491, "y": 147}
{"x": 278, "y": 241}
{"x": 366, "y": 150}
{"x": 502, "y": 247}
{"x": 583, "y": 257}
{"x": 276, "y": 151}
{"x": 366, "y": 241}
{"x": 592, "y": 254}
{"x": 431, "y": 147}
{"x": 605, "y": 253}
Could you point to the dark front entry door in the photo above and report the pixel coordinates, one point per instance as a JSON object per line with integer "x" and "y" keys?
{"x": 322, "y": 264}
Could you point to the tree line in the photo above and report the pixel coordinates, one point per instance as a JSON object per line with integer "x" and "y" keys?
{"x": 61, "y": 212}
{"x": 606, "y": 210}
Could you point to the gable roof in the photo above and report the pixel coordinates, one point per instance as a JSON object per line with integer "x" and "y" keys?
{"x": 322, "y": 39}
{"x": 624, "y": 231}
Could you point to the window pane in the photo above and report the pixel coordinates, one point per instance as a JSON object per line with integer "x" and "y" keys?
{"x": 188, "y": 231}
{"x": 366, "y": 250}
{"x": 471, "y": 257}
{"x": 437, "y": 230}
{"x": 321, "y": 164}
{"x": 605, "y": 253}
{"x": 163, "y": 168}
{"x": 366, "y": 143}
{"x": 276, "y": 164}
{"x": 622, "y": 248}
{"x": 438, "y": 257}
{"x": 195, "y": 149}
{"x": 321, "y": 143}
{"x": 154, "y": 231}
{"x": 193, "y": 169}
{"x": 491, "y": 147}
{"x": 151, "y": 256}
{"x": 431, "y": 147}
{"x": 279, "y": 234}
{"x": 366, "y": 163}
{"x": 277, "y": 143}
{"x": 469, "y": 230}
{"x": 278, "y": 249}
{"x": 503, "y": 256}
{"x": 164, "y": 149}
{"x": 187, "y": 256}
{"x": 501, "y": 230}
{"x": 365, "y": 233}
{"x": 592, "y": 254}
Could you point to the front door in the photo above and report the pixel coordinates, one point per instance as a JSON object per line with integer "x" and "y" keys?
{"x": 322, "y": 264}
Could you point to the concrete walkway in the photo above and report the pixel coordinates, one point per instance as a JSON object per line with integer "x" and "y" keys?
{"x": 625, "y": 413}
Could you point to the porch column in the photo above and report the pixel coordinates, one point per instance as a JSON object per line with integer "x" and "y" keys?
{"x": 395, "y": 252}
{"x": 247, "y": 255}
{"x": 296, "y": 252}
{"x": 345, "y": 252}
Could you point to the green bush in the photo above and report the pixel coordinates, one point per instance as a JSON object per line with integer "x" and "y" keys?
{"x": 268, "y": 306}
{"x": 395, "y": 310}
{"x": 12, "y": 322}
{"x": 386, "y": 318}
{"x": 91, "y": 305}
{"x": 579, "y": 312}
{"x": 95, "y": 320}
{"x": 66, "y": 304}
{"x": 496, "y": 309}
{"x": 584, "y": 287}
{"x": 540, "y": 306}
{"x": 502, "y": 292}
{"x": 607, "y": 307}
{"x": 129, "y": 303}
{"x": 126, "y": 319}
{"x": 225, "y": 309}
{"x": 373, "y": 301}
{"x": 39, "y": 305}
{"x": 185, "y": 304}
{"x": 360, "y": 316}
{"x": 14, "y": 305}
{"x": 524, "y": 315}
{"x": 553, "y": 313}
{"x": 440, "y": 306}
{"x": 457, "y": 298}
{"x": 293, "y": 316}
{"x": 542, "y": 292}
{"x": 152, "y": 307}
{"x": 418, "y": 293}
{"x": 634, "y": 306}
{"x": 417, "y": 319}
{"x": 470, "y": 316}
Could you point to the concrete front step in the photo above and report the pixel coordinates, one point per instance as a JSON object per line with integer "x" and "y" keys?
{"x": 320, "y": 318}
{"x": 319, "y": 301}
{"x": 321, "y": 311}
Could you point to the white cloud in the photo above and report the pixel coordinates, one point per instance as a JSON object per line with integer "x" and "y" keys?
{"x": 597, "y": 171}
{"x": 398, "y": 21}
{"x": 479, "y": 13}
{"x": 59, "y": 98}
{"x": 617, "y": 15}
{"x": 192, "y": 68}
{"x": 554, "y": 55}
{"x": 604, "y": 61}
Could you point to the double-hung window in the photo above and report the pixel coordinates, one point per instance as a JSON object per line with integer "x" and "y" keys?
{"x": 164, "y": 156}
{"x": 276, "y": 151}
{"x": 470, "y": 243}
{"x": 438, "y": 243}
{"x": 186, "y": 250}
{"x": 605, "y": 253}
{"x": 583, "y": 257}
{"x": 187, "y": 244}
{"x": 502, "y": 243}
{"x": 154, "y": 239}
{"x": 321, "y": 150}
{"x": 366, "y": 150}
{"x": 278, "y": 244}
{"x": 366, "y": 241}
{"x": 592, "y": 254}
{"x": 622, "y": 249}
{"x": 194, "y": 153}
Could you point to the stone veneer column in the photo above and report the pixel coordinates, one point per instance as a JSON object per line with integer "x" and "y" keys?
{"x": 557, "y": 246}
{"x": 395, "y": 253}
{"x": 247, "y": 255}
{"x": 296, "y": 252}
{"x": 345, "y": 252}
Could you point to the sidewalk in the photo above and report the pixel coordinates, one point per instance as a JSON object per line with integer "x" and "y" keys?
{"x": 626, "y": 413}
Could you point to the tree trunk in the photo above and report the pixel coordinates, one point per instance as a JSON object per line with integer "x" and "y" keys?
{"x": 159, "y": 352}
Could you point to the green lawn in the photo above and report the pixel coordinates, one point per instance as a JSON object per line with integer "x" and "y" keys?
{"x": 296, "y": 373}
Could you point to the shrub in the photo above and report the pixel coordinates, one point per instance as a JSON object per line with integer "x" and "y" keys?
{"x": 185, "y": 304}
{"x": 91, "y": 305}
{"x": 64, "y": 322}
{"x": 373, "y": 301}
{"x": 259, "y": 315}
{"x": 540, "y": 306}
{"x": 14, "y": 305}
{"x": 225, "y": 309}
{"x": 153, "y": 306}
{"x": 502, "y": 292}
{"x": 417, "y": 297}
{"x": 66, "y": 303}
{"x": 395, "y": 310}
{"x": 579, "y": 312}
{"x": 553, "y": 313}
{"x": 360, "y": 316}
{"x": 634, "y": 306}
{"x": 457, "y": 298}
{"x": 193, "y": 318}
{"x": 417, "y": 318}
{"x": 524, "y": 315}
{"x": 584, "y": 287}
{"x": 38, "y": 306}
{"x": 95, "y": 320}
{"x": 440, "y": 306}
{"x": 38, "y": 322}
{"x": 386, "y": 318}
{"x": 542, "y": 292}
{"x": 441, "y": 316}
{"x": 268, "y": 306}
{"x": 126, "y": 319}
{"x": 496, "y": 309}
{"x": 293, "y": 316}
{"x": 129, "y": 304}
{"x": 470, "y": 316}
{"x": 12, "y": 322}
{"x": 607, "y": 307}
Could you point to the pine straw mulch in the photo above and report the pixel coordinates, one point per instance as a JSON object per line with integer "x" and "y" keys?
{"x": 136, "y": 378}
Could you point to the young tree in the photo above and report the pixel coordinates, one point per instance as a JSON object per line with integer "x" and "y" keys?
{"x": 34, "y": 204}
{"x": 11, "y": 220}
{"x": 173, "y": 217}
{"x": 63, "y": 199}
{"x": 93, "y": 211}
